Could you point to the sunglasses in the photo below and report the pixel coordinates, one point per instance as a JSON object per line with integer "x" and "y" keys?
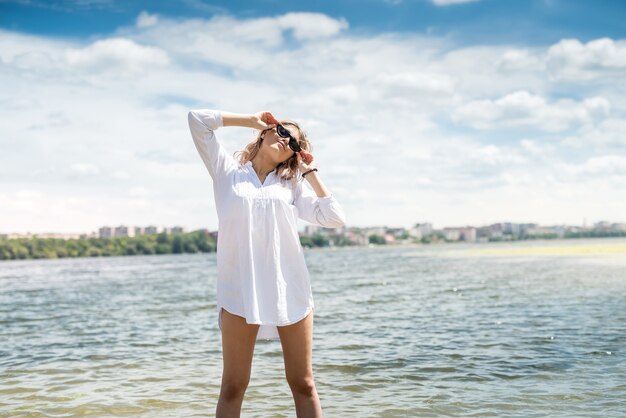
{"x": 284, "y": 132}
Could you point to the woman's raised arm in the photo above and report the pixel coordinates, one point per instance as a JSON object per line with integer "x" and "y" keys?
{"x": 202, "y": 124}
{"x": 259, "y": 120}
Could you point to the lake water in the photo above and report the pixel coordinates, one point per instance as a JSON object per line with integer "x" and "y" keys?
{"x": 534, "y": 328}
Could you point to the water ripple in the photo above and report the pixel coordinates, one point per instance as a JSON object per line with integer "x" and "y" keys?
{"x": 399, "y": 332}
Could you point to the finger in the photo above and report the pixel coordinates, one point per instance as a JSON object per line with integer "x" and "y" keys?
{"x": 267, "y": 117}
{"x": 273, "y": 119}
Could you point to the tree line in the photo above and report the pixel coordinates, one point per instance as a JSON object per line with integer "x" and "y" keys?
{"x": 162, "y": 243}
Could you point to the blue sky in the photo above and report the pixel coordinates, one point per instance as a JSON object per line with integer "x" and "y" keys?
{"x": 514, "y": 21}
{"x": 441, "y": 111}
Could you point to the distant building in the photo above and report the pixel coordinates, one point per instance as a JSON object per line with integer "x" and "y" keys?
{"x": 560, "y": 230}
{"x": 495, "y": 230}
{"x": 468, "y": 234}
{"x": 465, "y": 233}
{"x": 415, "y": 233}
{"x": 311, "y": 229}
{"x": 105, "y": 232}
{"x": 523, "y": 228}
{"x": 151, "y": 230}
{"x": 375, "y": 230}
{"x": 421, "y": 230}
{"x": 452, "y": 234}
{"x": 123, "y": 231}
{"x": 541, "y": 230}
{"x": 510, "y": 228}
{"x": 483, "y": 233}
{"x": 356, "y": 236}
{"x": 602, "y": 226}
{"x": 396, "y": 231}
{"x": 618, "y": 227}
{"x": 331, "y": 231}
{"x": 390, "y": 238}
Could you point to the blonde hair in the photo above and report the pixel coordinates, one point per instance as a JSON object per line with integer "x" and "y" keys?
{"x": 286, "y": 170}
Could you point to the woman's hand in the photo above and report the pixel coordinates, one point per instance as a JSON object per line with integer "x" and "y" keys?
{"x": 263, "y": 120}
{"x": 305, "y": 161}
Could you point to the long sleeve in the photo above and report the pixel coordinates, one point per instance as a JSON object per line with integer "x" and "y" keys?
{"x": 323, "y": 211}
{"x": 202, "y": 124}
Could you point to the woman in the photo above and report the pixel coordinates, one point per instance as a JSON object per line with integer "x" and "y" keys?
{"x": 263, "y": 285}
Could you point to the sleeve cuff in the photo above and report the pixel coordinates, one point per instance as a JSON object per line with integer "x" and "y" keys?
{"x": 219, "y": 120}
{"x": 211, "y": 118}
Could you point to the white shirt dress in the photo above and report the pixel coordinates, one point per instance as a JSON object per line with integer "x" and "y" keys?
{"x": 262, "y": 275}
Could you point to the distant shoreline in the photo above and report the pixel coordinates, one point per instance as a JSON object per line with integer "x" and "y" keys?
{"x": 197, "y": 243}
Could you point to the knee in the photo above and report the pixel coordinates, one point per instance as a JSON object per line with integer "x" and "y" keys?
{"x": 233, "y": 389}
{"x": 302, "y": 385}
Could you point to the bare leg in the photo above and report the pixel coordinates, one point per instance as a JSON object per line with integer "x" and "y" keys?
{"x": 297, "y": 342}
{"x": 238, "y": 340}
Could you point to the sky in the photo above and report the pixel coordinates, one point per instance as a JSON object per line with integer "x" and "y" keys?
{"x": 451, "y": 112}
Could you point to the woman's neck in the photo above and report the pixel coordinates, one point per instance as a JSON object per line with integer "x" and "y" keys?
{"x": 262, "y": 165}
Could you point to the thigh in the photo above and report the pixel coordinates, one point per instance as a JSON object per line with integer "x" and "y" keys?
{"x": 238, "y": 340}
{"x": 297, "y": 342}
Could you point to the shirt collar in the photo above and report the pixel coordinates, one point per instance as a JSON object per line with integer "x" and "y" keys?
{"x": 249, "y": 164}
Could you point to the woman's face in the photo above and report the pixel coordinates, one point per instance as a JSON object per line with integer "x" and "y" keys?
{"x": 276, "y": 146}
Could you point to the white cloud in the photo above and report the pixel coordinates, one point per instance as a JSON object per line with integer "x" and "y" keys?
{"x": 608, "y": 133}
{"x": 311, "y": 25}
{"x": 602, "y": 166}
{"x": 415, "y": 82}
{"x": 255, "y": 44}
{"x": 377, "y": 107}
{"x": 119, "y": 53}
{"x": 28, "y": 194}
{"x": 146, "y": 19}
{"x": 536, "y": 149}
{"x": 524, "y": 109}
{"x": 570, "y": 59}
{"x": 495, "y": 155}
{"x": 120, "y": 175}
{"x": 84, "y": 169}
{"x": 139, "y": 192}
{"x": 520, "y": 60}
{"x": 22, "y": 50}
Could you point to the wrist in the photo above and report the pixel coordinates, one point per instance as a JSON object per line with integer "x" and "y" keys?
{"x": 310, "y": 172}
{"x": 251, "y": 121}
